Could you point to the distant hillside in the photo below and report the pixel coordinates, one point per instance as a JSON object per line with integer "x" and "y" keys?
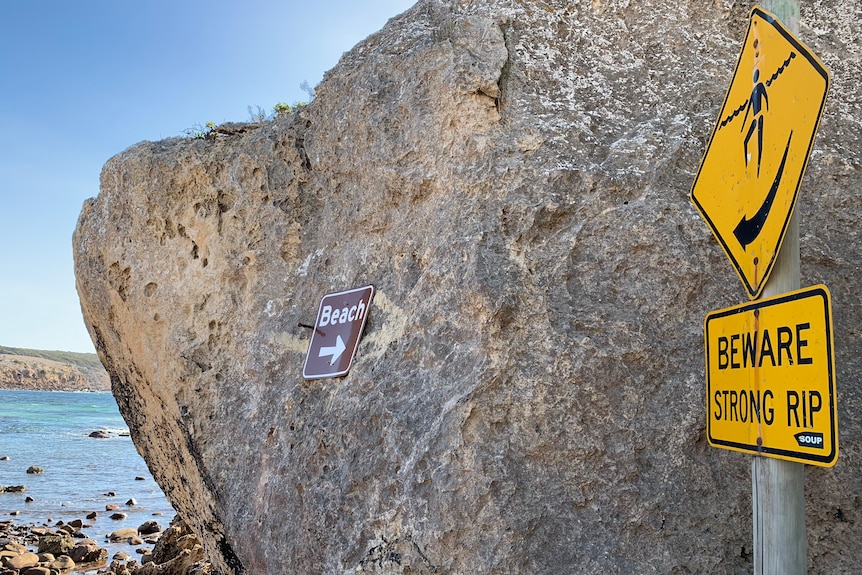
{"x": 51, "y": 370}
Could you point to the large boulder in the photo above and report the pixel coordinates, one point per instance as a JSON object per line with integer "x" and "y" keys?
{"x": 528, "y": 396}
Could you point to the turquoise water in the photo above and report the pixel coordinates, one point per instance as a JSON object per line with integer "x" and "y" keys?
{"x": 51, "y": 430}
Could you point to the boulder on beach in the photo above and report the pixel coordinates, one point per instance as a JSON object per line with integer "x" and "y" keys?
{"x": 88, "y": 551}
{"x": 123, "y": 534}
{"x": 100, "y": 434}
{"x": 528, "y": 393}
{"x": 62, "y": 563}
{"x": 12, "y": 489}
{"x": 14, "y": 548}
{"x": 56, "y": 544}
{"x": 178, "y": 540}
{"x": 22, "y": 561}
{"x": 149, "y": 527}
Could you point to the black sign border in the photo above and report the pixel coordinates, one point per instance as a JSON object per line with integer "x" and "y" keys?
{"x": 827, "y": 460}
{"x": 754, "y": 291}
{"x": 314, "y": 333}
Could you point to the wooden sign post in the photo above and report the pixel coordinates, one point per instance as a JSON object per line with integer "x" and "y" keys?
{"x": 778, "y": 486}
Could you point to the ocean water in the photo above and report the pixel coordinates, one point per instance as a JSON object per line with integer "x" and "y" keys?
{"x": 51, "y": 430}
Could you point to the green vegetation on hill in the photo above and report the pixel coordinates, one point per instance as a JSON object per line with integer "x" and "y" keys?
{"x": 83, "y": 361}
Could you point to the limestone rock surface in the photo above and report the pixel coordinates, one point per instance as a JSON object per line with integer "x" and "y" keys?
{"x": 528, "y": 396}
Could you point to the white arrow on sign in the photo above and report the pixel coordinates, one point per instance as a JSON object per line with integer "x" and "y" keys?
{"x": 335, "y": 351}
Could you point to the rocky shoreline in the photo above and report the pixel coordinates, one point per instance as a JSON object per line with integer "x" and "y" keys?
{"x": 66, "y": 548}
{"x": 70, "y": 547}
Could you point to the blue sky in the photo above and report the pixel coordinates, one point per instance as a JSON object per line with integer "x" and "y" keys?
{"x": 81, "y": 81}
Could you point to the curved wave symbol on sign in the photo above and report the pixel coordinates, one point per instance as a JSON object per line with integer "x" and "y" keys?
{"x": 747, "y": 230}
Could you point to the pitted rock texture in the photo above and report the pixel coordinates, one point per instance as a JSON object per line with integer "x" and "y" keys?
{"x": 528, "y": 397}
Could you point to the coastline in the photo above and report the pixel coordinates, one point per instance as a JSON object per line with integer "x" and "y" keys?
{"x": 117, "y": 536}
{"x": 68, "y": 548}
{"x": 51, "y": 371}
{"x": 69, "y": 470}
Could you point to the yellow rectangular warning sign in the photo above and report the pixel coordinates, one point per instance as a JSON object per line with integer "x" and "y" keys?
{"x": 770, "y": 378}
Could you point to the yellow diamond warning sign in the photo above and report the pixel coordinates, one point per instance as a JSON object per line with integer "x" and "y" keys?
{"x": 749, "y": 177}
{"x": 770, "y": 378}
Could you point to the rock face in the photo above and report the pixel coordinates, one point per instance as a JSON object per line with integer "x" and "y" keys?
{"x": 528, "y": 397}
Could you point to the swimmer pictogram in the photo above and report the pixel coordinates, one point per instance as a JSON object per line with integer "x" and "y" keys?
{"x": 757, "y": 103}
{"x": 749, "y": 177}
